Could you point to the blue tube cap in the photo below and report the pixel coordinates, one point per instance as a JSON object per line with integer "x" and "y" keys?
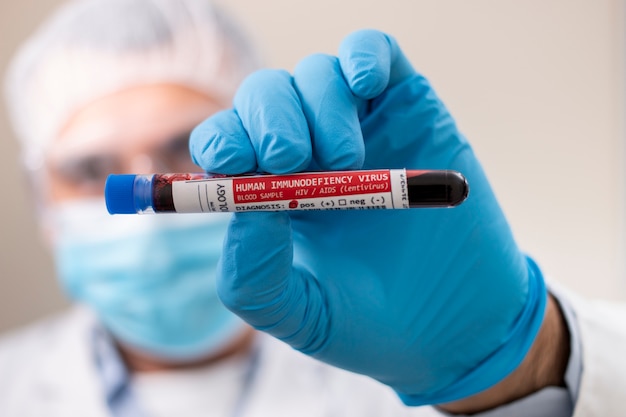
{"x": 119, "y": 194}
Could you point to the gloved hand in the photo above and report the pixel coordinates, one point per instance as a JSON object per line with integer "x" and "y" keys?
{"x": 437, "y": 303}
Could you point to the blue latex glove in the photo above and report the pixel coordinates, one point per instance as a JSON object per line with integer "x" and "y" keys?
{"x": 437, "y": 303}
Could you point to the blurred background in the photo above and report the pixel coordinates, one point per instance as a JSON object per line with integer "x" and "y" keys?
{"x": 537, "y": 86}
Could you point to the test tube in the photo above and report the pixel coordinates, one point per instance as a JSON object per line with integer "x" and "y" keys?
{"x": 334, "y": 190}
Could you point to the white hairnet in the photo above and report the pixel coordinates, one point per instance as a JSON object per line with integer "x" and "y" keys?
{"x": 91, "y": 48}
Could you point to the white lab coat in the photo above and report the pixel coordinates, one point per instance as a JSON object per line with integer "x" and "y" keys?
{"x": 47, "y": 370}
{"x": 603, "y": 333}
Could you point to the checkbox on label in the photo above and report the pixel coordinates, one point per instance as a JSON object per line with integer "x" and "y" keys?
{"x": 343, "y": 202}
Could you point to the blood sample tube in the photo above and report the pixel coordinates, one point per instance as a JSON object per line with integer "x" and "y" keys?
{"x": 335, "y": 190}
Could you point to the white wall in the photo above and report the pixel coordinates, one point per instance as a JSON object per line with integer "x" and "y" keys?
{"x": 27, "y": 286}
{"x": 537, "y": 86}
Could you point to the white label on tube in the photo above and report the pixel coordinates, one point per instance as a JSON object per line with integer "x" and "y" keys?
{"x": 371, "y": 189}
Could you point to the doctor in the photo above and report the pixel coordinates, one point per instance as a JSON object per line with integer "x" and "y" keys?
{"x": 463, "y": 328}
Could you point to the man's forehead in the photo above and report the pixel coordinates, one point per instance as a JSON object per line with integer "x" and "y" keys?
{"x": 140, "y": 119}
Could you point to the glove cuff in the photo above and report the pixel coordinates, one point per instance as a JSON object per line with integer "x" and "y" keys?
{"x": 506, "y": 358}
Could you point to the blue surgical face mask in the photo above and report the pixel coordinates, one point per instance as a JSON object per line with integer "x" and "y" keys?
{"x": 150, "y": 278}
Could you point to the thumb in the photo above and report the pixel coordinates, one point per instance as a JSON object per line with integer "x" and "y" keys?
{"x": 257, "y": 281}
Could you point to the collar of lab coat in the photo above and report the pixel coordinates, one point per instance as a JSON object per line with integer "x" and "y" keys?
{"x": 68, "y": 383}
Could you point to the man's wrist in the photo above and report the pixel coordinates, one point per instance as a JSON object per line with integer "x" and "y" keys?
{"x": 543, "y": 366}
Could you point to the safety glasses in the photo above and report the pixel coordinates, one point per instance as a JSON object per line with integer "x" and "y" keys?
{"x": 86, "y": 171}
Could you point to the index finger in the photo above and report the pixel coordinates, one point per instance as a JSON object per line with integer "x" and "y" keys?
{"x": 372, "y": 61}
